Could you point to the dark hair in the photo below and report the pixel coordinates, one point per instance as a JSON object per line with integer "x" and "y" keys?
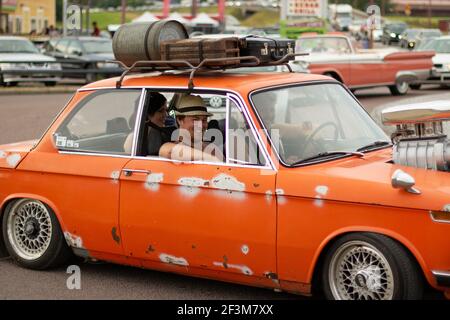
{"x": 155, "y": 101}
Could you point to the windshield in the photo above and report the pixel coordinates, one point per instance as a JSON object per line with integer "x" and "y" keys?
{"x": 98, "y": 46}
{"x": 440, "y": 46}
{"x": 17, "y": 46}
{"x": 397, "y": 28}
{"x": 304, "y": 121}
{"x": 323, "y": 45}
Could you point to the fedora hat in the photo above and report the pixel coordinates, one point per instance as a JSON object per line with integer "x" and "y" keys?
{"x": 191, "y": 106}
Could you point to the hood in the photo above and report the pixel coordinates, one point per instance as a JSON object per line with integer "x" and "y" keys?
{"x": 441, "y": 58}
{"x": 30, "y": 57}
{"x": 368, "y": 181}
{"x": 12, "y": 154}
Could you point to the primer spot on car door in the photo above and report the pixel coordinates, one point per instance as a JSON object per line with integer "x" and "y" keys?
{"x": 173, "y": 260}
{"x": 153, "y": 181}
{"x": 227, "y": 182}
{"x": 13, "y": 160}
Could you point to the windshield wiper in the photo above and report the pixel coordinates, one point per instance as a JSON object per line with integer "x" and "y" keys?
{"x": 374, "y": 145}
{"x": 329, "y": 154}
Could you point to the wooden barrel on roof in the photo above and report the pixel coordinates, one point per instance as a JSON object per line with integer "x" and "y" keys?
{"x": 141, "y": 41}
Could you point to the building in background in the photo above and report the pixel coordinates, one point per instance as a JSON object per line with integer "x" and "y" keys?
{"x": 27, "y": 16}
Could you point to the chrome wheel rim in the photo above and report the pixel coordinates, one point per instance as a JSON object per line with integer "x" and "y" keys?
{"x": 359, "y": 271}
{"x": 29, "y": 229}
{"x": 402, "y": 87}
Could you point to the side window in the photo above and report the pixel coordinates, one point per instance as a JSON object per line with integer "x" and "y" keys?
{"x": 242, "y": 146}
{"x": 74, "y": 48}
{"x": 101, "y": 123}
{"x": 61, "y": 46}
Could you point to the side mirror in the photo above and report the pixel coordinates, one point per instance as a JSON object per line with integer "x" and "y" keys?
{"x": 402, "y": 180}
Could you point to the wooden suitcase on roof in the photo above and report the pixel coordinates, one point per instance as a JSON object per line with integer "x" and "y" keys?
{"x": 196, "y": 50}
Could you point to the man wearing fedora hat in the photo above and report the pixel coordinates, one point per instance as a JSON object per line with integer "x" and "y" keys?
{"x": 192, "y": 118}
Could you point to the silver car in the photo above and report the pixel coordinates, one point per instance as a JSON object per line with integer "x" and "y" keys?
{"x": 25, "y": 62}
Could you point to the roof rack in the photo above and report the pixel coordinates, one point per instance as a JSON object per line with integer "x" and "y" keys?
{"x": 204, "y": 66}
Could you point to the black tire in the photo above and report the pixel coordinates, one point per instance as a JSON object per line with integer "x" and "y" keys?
{"x": 399, "y": 89}
{"x": 399, "y": 274}
{"x": 331, "y": 75}
{"x": 13, "y": 84}
{"x": 54, "y": 254}
{"x": 415, "y": 86}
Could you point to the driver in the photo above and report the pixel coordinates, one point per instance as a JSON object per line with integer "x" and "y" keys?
{"x": 286, "y": 132}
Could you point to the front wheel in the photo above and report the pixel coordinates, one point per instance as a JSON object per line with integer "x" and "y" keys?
{"x": 367, "y": 266}
{"x": 400, "y": 88}
{"x": 33, "y": 236}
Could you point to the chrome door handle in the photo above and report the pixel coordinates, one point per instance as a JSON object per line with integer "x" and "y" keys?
{"x": 129, "y": 172}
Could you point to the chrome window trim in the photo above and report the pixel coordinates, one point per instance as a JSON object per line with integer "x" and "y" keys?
{"x": 137, "y": 125}
{"x": 229, "y": 94}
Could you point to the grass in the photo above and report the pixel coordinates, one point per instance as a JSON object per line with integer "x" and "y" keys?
{"x": 263, "y": 18}
{"x": 418, "y": 22}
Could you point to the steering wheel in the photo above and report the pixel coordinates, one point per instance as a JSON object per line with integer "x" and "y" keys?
{"x": 309, "y": 139}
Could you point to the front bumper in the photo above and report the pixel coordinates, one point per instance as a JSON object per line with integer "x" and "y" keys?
{"x": 15, "y": 78}
{"x": 442, "y": 278}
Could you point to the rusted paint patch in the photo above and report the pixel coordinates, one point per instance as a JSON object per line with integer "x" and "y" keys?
{"x": 115, "y": 175}
{"x": 189, "y": 191}
{"x": 225, "y": 262}
{"x": 115, "y": 237}
{"x": 244, "y": 269}
{"x": 447, "y": 208}
{"x": 193, "y": 182}
{"x": 245, "y": 249}
{"x": 227, "y": 182}
{"x": 3, "y": 154}
{"x": 272, "y": 276}
{"x": 13, "y": 160}
{"x": 322, "y": 190}
{"x": 173, "y": 260}
{"x": 150, "y": 249}
{"x": 279, "y": 192}
{"x": 73, "y": 240}
{"x": 153, "y": 181}
{"x": 233, "y": 195}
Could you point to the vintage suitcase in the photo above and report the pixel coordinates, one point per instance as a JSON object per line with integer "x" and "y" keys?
{"x": 266, "y": 49}
{"x": 196, "y": 50}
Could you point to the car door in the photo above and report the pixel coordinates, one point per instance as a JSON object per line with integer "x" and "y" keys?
{"x": 200, "y": 215}
{"x": 80, "y": 171}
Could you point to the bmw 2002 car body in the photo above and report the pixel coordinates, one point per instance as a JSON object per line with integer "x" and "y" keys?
{"x": 307, "y": 194}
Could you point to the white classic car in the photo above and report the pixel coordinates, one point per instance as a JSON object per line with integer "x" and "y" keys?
{"x": 441, "y": 61}
{"x": 19, "y": 55}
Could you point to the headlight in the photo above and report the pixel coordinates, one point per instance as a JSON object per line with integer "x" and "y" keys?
{"x": 106, "y": 65}
{"x": 393, "y": 35}
{"x": 55, "y": 66}
{"x": 13, "y": 66}
{"x": 400, "y": 37}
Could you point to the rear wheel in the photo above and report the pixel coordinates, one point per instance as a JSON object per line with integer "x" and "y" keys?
{"x": 33, "y": 236}
{"x": 366, "y": 266}
{"x": 400, "y": 88}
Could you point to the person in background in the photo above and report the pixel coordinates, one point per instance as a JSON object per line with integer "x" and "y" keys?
{"x": 96, "y": 30}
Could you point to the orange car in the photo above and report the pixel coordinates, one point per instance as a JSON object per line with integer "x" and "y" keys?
{"x": 307, "y": 195}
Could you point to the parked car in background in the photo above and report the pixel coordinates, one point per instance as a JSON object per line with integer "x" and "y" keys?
{"x": 84, "y": 53}
{"x": 392, "y": 32}
{"x": 410, "y": 38}
{"x": 335, "y": 56}
{"x": 441, "y": 61}
{"x": 18, "y": 54}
